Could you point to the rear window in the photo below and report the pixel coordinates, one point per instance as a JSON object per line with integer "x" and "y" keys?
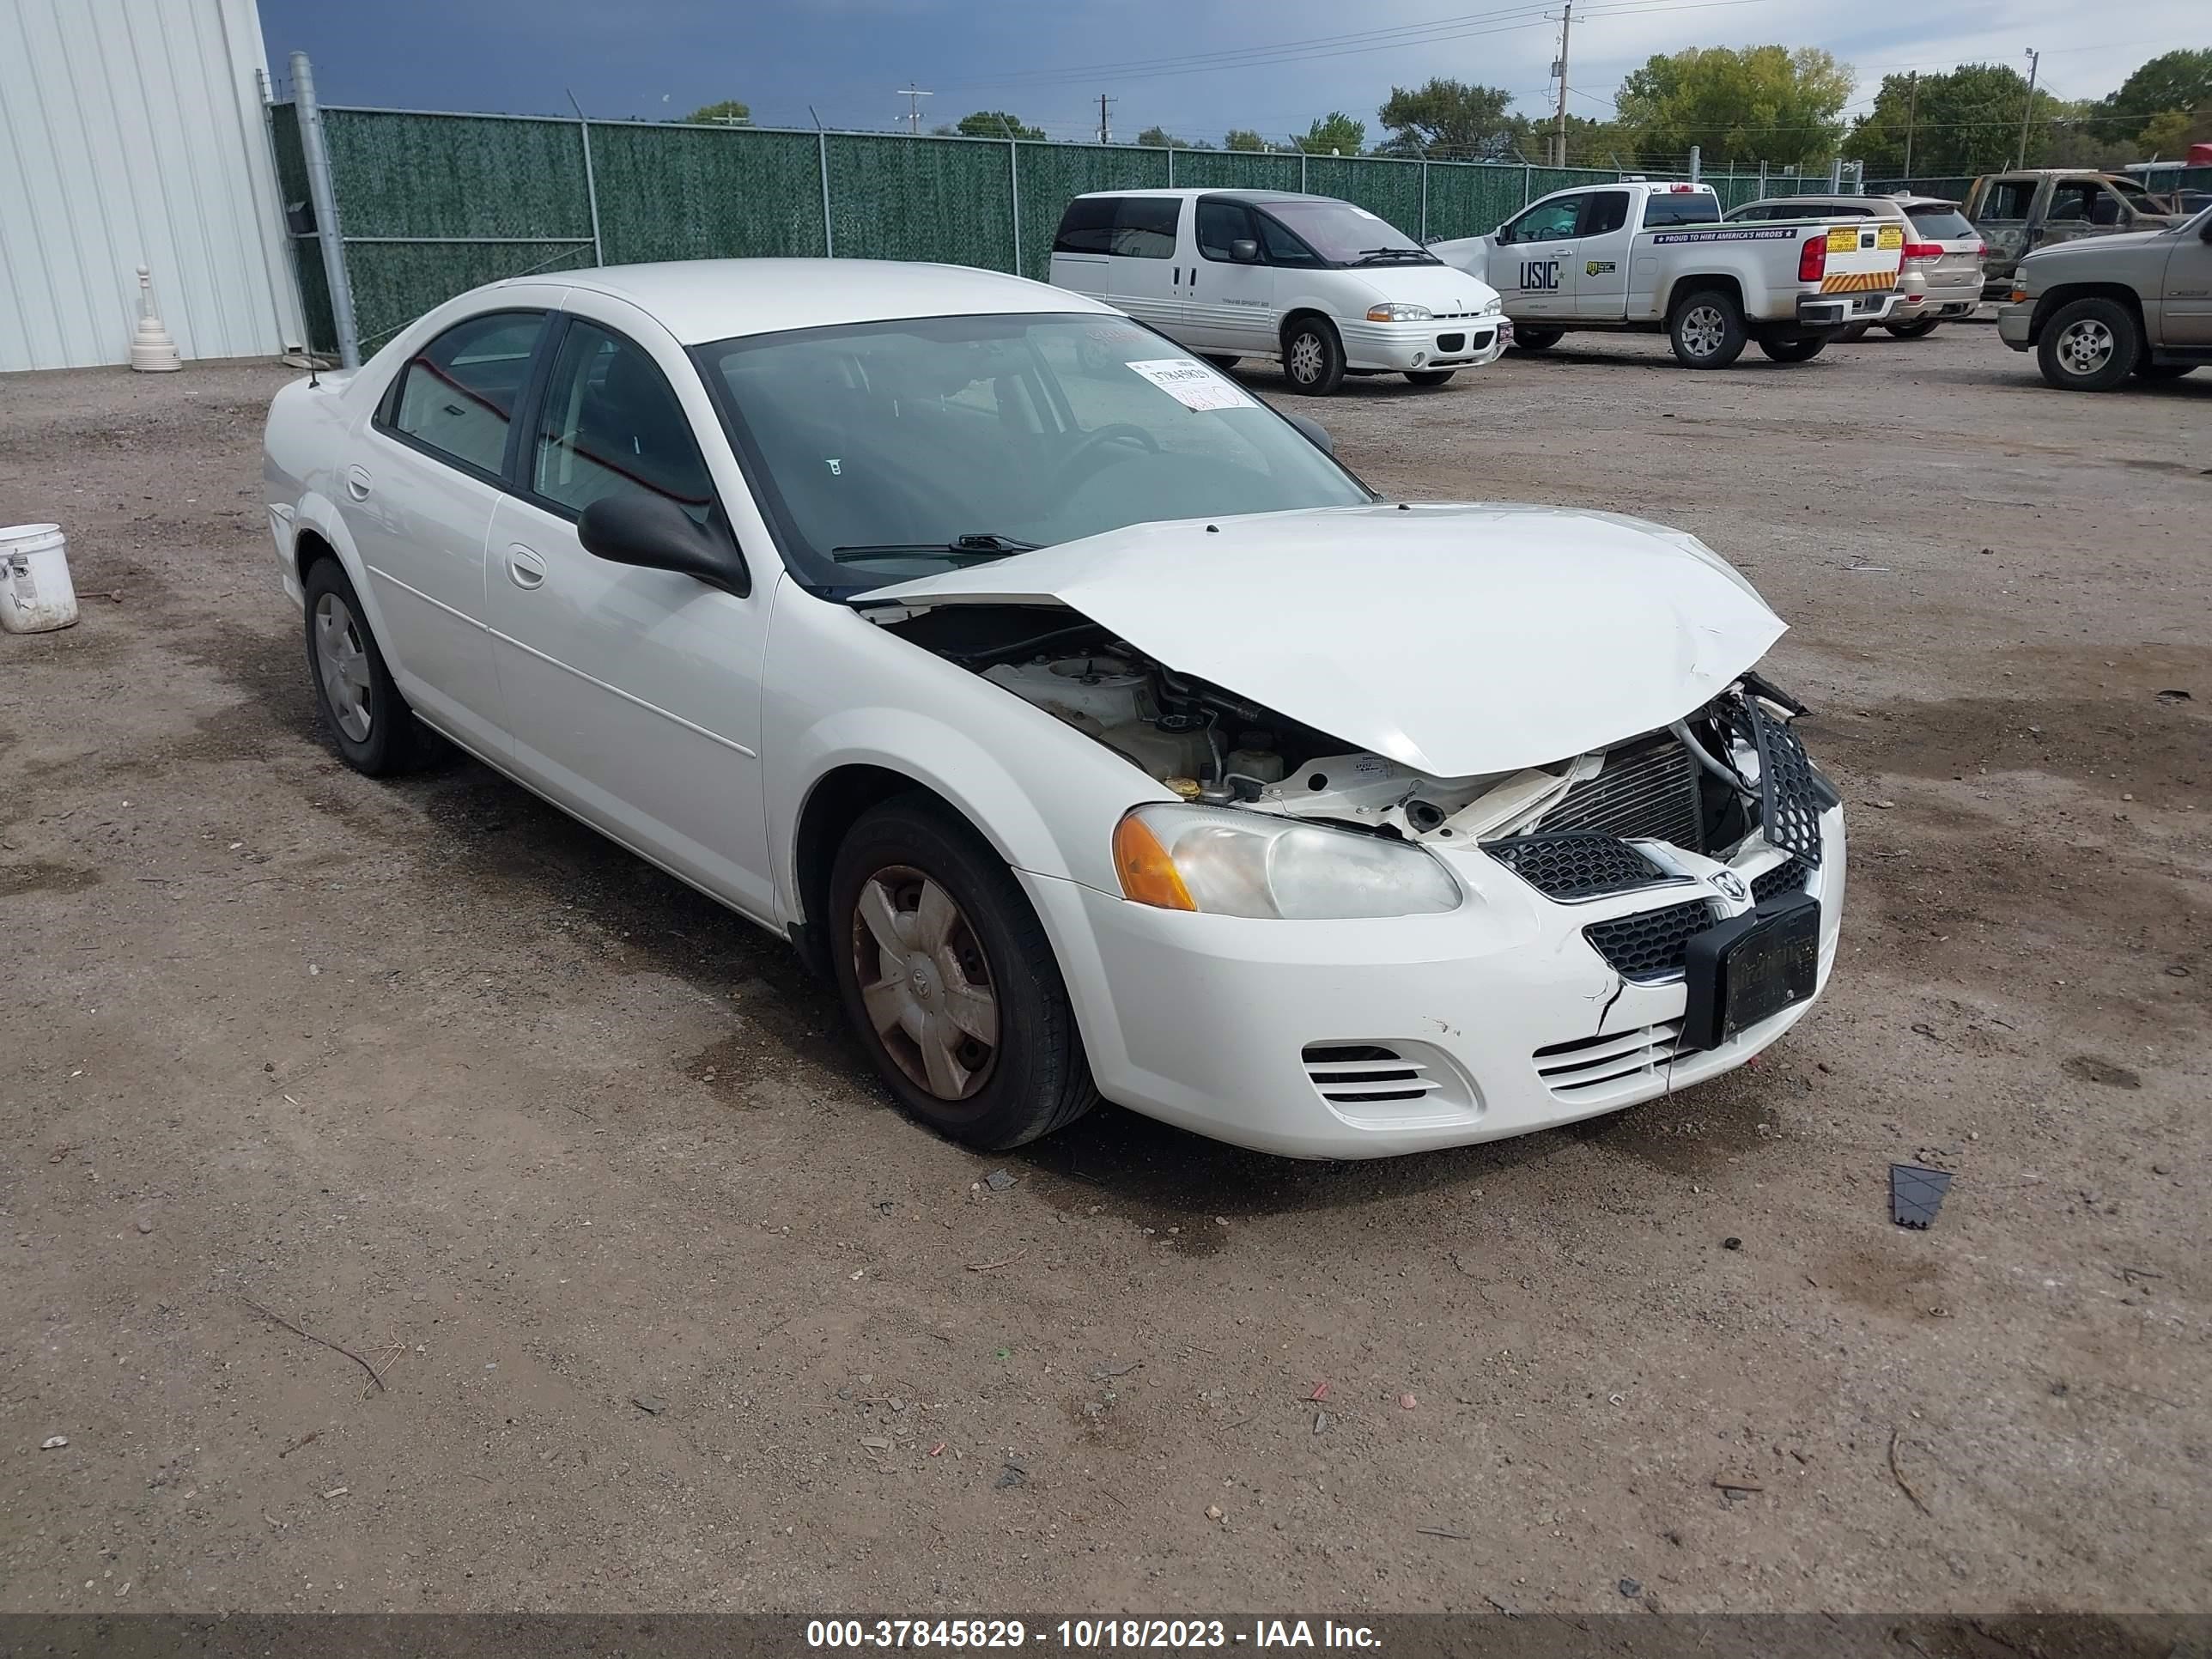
{"x": 1143, "y": 226}
{"x": 1941, "y": 224}
{"x": 1681, "y": 207}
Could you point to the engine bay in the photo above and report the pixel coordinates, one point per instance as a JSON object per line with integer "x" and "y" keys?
{"x": 1695, "y": 784}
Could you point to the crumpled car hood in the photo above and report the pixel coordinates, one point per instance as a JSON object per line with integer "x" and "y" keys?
{"x": 1455, "y": 640}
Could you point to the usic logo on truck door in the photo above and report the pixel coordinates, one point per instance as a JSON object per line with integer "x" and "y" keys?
{"x": 1539, "y": 273}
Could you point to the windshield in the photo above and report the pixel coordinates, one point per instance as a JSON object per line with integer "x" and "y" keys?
{"x": 1343, "y": 234}
{"x": 2137, "y": 197}
{"x": 882, "y": 451}
{"x": 1941, "y": 222}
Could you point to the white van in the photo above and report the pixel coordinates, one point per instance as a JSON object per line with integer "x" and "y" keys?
{"x": 1323, "y": 287}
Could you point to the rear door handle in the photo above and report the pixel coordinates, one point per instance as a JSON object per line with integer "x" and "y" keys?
{"x": 524, "y": 567}
{"x": 356, "y": 480}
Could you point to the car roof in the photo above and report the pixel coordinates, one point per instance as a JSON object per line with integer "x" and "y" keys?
{"x": 1814, "y": 205}
{"x": 702, "y": 300}
{"x": 1182, "y": 194}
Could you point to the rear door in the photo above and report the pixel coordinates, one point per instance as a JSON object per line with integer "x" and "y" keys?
{"x": 1229, "y": 303}
{"x": 1144, "y": 265}
{"x": 1082, "y": 246}
{"x": 1531, "y": 254}
{"x": 2001, "y": 210}
{"x": 1596, "y": 278}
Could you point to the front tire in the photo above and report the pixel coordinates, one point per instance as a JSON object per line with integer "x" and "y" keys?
{"x": 1915, "y": 330}
{"x": 1706, "y": 330}
{"x": 1313, "y": 356}
{"x": 1793, "y": 348}
{"x": 1537, "y": 339}
{"x": 949, "y": 981}
{"x": 375, "y": 732}
{"x": 1852, "y": 333}
{"x": 1221, "y": 360}
{"x": 1429, "y": 376}
{"x": 2091, "y": 345}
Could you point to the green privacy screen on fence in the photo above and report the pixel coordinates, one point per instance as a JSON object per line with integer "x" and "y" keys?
{"x": 431, "y": 204}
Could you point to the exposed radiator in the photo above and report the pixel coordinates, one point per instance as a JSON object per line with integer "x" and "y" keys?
{"x": 1647, "y": 787}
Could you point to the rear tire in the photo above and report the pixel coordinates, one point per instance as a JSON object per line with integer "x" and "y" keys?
{"x": 1706, "y": 330}
{"x": 1219, "y": 361}
{"x": 1429, "y": 376}
{"x": 2091, "y": 345}
{"x": 1537, "y": 339}
{"x": 1313, "y": 356}
{"x": 374, "y": 730}
{"x": 1793, "y": 348}
{"x": 935, "y": 950}
{"x": 1915, "y": 330}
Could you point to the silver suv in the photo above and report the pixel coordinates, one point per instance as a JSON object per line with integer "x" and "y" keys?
{"x": 2098, "y": 310}
{"x": 1940, "y": 275}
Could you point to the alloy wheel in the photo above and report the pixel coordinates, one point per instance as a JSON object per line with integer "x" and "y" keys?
{"x": 1306, "y": 358}
{"x": 342, "y": 661}
{"x": 925, "y": 982}
{"x": 1704, "y": 328}
{"x": 2084, "y": 346}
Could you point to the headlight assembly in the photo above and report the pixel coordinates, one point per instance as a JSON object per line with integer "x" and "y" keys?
{"x": 1398, "y": 314}
{"x": 1223, "y": 862}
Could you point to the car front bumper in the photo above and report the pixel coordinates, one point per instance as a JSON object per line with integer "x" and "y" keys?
{"x": 1441, "y": 342}
{"x": 1208, "y": 1022}
{"x": 2015, "y": 325}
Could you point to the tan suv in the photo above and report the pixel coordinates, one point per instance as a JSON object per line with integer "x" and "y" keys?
{"x": 1941, "y": 276}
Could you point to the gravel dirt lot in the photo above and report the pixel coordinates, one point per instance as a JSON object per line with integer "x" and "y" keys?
{"x": 672, "y": 1310}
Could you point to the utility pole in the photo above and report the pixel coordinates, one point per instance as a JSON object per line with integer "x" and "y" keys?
{"x": 914, "y": 95}
{"x": 1105, "y": 128}
{"x": 1911, "y": 117}
{"x": 2034, "y": 63}
{"x": 1560, "y": 71}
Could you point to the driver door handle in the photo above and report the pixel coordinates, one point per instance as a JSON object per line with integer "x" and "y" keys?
{"x": 524, "y": 567}
{"x": 357, "y": 482}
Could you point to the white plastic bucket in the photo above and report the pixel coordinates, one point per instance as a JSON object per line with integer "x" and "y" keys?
{"x": 35, "y": 594}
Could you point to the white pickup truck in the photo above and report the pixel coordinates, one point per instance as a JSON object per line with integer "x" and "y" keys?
{"x": 1655, "y": 259}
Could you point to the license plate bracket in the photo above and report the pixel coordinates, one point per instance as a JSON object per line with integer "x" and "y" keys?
{"x": 1750, "y": 968}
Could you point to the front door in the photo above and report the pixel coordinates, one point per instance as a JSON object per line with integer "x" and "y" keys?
{"x": 418, "y": 502}
{"x": 1596, "y": 277}
{"x": 1229, "y": 303}
{"x": 1528, "y": 269}
{"x": 2188, "y": 305}
{"x": 633, "y": 695}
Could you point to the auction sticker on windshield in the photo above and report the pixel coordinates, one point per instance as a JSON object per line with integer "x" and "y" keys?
{"x": 1192, "y": 385}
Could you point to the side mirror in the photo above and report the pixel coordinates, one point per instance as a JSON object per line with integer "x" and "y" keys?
{"x": 1244, "y": 251}
{"x": 1502, "y": 235}
{"x": 1313, "y": 432}
{"x": 637, "y": 526}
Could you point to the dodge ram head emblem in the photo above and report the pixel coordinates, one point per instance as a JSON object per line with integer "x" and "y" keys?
{"x": 1730, "y": 885}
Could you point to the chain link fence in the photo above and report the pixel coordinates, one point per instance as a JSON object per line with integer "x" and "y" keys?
{"x": 431, "y": 203}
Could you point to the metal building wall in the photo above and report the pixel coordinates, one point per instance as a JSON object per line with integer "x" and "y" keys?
{"x": 131, "y": 133}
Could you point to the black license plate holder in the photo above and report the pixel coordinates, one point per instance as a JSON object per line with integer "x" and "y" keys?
{"x": 1750, "y": 968}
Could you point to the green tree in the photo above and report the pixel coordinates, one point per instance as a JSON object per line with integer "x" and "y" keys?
{"x": 1962, "y": 122}
{"x": 2174, "y": 84}
{"x": 2168, "y": 133}
{"x": 992, "y": 123}
{"x": 1761, "y": 103}
{"x": 730, "y": 112}
{"x": 1334, "y": 133}
{"x": 1448, "y": 121}
{"x": 1161, "y": 138}
{"x": 1244, "y": 138}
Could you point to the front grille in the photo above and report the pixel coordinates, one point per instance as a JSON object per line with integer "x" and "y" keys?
{"x": 1789, "y": 808}
{"x": 1646, "y": 789}
{"x": 1361, "y": 1074}
{"x": 1650, "y": 945}
{"x": 1592, "y": 1067}
{"x": 1577, "y": 865}
{"x": 1787, "y": 877}
{"x": 1482, "y": 340}
{"x": 1450, "y": 343}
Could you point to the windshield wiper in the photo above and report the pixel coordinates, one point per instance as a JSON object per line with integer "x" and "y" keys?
{"x": 977, "y": 545}
{"x": 1368, "y": 256}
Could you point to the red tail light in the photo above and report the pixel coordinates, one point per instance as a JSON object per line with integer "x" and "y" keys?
{"x": 1812, "y": 259}
{"x": 1923, "y": 250}
{"x": 1982, "y": 251}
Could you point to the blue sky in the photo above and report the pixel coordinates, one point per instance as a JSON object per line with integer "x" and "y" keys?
{"x": 1188, "y": 65}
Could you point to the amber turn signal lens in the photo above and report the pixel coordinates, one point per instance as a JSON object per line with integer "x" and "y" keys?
{"x": 1148, "y": 874}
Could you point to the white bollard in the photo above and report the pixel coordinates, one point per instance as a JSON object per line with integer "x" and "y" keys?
{"x": 152, "y": 350}
{"x": 35, "y": 592}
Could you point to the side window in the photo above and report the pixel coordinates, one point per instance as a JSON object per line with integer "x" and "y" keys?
{"x": 1604, "y": 210}
{"x": 2009, "y": 199}
{"x": 609, "y": 422}
{"x": 1219, "y": 225}
{"x": 457, "y": 395}
{"x": 1087, "y": 227}
{"x": 1282, "y": 246}
{"x": 1547, "y": 221}
{"x": 1145, "y": 226}
{"x": 2071, "y": 203}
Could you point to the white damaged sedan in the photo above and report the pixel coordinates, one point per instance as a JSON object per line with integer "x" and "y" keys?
{"x": 1092, "y": 727}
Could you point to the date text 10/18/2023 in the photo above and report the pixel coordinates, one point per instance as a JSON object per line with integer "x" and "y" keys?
{"x": 1087, "y": 1635}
